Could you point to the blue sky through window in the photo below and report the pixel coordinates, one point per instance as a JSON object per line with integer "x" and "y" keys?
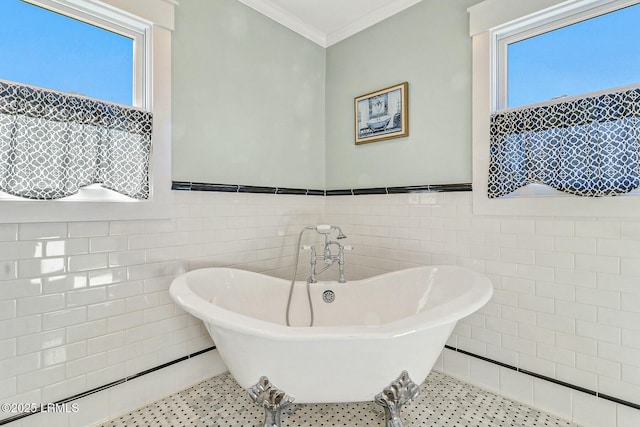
{"x": 42, "y": 48}
{"x": 591, "y": 55}
{"x": 46, "y": 49}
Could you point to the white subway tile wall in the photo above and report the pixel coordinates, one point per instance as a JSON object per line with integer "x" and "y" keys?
{"x": 86, "y": 303}
{"x": 567, "y": 290}
{"x": 83, "y": 304}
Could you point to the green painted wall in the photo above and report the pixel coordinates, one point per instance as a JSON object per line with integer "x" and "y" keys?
{"x": 427, "y": 45}
{"x": 255, "y": 103}
{"x": 247, "y": 99}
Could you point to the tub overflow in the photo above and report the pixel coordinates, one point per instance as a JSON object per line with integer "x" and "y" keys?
{"x": 328, "y": 296}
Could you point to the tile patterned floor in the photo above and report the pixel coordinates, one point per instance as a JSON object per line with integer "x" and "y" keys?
{"x": 443, "y": 402}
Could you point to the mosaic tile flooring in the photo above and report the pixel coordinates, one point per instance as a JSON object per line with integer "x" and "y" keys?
{"x": 443, "y": 402}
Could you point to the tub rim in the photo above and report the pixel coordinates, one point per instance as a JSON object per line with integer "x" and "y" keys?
{"x": 450, "y": 311}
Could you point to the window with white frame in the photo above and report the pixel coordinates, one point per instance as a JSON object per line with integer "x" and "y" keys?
{"x": 74, "y": 118}
{"x": 556, "y": 104}
{"x": 70, "y": 51}
{"x": 144, "y": 29}
{"x": 574, "y": 55}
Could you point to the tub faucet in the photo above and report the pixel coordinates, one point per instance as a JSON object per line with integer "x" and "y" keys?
{"x": 327, "y": 255}
{"x": 327, "y": 229}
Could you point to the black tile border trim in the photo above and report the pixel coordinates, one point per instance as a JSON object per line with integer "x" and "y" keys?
{"x": 232, "y": 188}
{"x": 338, "y": 193}
{"x": 256, "y": 189}
{"x": 106, "y": 386}
{"x": 410, "y": 189}
{"x": 546, "y": 378}
{"x": 203, "y": 186}
{"x": 367, "y": 191}
{"x": 298, "y": 191}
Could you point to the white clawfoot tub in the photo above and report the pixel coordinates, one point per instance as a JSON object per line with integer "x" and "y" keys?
{"x": 374, "y": 329}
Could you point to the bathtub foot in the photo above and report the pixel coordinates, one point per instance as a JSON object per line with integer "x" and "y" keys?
{"x": 273, "y": 400}
{"x": 396, "y": 394}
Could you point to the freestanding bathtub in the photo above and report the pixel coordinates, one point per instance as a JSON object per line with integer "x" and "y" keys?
{"x": 374, "y": 329}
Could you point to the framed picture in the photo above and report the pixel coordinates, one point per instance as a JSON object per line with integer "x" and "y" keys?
{"x": 383, "y": 114}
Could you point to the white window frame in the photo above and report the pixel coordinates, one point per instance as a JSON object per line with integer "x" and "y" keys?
{"x": 118, "y": 23}
{"x": 510, "y": 34}
{"x": 149, "y": 23}
{"x": 491, "y": 22}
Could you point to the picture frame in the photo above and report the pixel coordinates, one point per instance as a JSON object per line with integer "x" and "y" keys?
{"x": 382, "y": 115}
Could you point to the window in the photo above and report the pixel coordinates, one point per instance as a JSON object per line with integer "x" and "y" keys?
{"x": 72, "y": 52}
{"x": 584, "y": 144}
{"x": 144, "y": 27}
{"x": 58, "y": 52}
{"x": 56, "y": 144}
{"x": 497, "y": 27}
{"x": 569, "y": 57}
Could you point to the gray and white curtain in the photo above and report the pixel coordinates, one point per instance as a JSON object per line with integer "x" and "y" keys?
{"x": 52, "y": 144}
{"x": 587, "y": 147}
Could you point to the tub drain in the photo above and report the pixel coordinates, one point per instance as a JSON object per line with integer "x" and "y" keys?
{"x": 328, "y": 296}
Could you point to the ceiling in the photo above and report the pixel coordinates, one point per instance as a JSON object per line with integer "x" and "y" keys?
{"x": 326, "y": 22}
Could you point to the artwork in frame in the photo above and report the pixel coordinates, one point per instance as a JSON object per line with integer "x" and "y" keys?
{"x": 383, "y": 114}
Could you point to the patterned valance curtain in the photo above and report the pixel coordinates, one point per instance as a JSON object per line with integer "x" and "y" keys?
{"x": 587, "y": 147}
{"x": 52, "y": 144}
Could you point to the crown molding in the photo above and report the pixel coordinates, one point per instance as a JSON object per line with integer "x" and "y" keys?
{"x": 368, "y": 20}
{"x": 283, "y": 17}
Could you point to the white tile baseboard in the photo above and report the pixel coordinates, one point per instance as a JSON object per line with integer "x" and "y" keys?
{"x": 123, "y": 398}
{"x": 574, "y": 405}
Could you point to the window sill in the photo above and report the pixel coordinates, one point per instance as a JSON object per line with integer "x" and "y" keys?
{"x": 63, "y": 211}
{"x": 92, "y": 203}
{"x": 541, "y": 200}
